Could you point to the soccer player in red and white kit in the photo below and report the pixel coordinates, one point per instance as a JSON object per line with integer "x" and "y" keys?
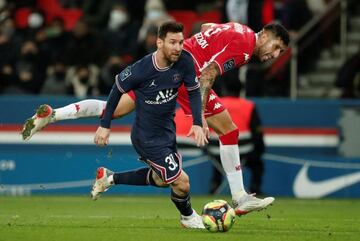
{"x": 215, "y": 50}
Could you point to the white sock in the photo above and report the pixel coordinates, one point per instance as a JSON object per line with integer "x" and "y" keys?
{"x": 230, "y": 160}
{"x": 81, "y": 109}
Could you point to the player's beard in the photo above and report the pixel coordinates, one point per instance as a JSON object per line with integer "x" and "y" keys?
{"x": 172, "y": 57}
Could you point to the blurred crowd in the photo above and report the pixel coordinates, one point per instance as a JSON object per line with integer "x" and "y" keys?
{"x": 75, "y": 47}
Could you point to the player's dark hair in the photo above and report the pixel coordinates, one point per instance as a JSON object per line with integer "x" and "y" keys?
{"x": 170, "y": 27}
{"x": 279, "y": 31}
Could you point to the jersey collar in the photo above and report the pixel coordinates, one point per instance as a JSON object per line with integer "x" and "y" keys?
{"x": 156, "y": 66}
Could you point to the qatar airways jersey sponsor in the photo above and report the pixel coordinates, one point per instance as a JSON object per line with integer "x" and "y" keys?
{"x": 230, "y": 45}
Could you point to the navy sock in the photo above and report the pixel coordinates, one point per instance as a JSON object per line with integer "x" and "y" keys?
{"x": 183, "y": 204}
{"x": 138, "y": 177}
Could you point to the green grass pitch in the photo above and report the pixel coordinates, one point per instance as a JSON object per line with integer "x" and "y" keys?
{"x": 67, "y": 218}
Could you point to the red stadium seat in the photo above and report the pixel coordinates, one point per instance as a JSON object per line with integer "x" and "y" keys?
{"x": 51, "y": 8}
{"x": 70, "y": 17}
{"x": 21, "y": 17}
{"x": 210, "y": 17}
{"x": 187, "y": 18}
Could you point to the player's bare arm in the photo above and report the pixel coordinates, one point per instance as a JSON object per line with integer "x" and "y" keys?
{"x": 207, "y": 79}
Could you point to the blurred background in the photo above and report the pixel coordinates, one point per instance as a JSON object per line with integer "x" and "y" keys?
{"x": 307, "y": 101}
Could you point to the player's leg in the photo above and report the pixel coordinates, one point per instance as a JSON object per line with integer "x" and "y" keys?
{"x": 230, "y": 159}
{"x": 180, "y": 196}
{"x": 219, "y": 119}
{"x": 45, "y": 114}
{"x": 168, "y": 171}
{"x": 228, "y": 133}
{"x": 105, "y": 178}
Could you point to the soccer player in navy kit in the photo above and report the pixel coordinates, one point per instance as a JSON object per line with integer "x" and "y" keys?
{"x": 155, "y": 80}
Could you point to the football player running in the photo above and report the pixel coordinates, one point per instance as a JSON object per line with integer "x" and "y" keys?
{"x": 216, "y": 49}
{"x": 155, "y": 80}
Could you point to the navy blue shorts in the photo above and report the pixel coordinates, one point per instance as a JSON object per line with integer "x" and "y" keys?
{"x": 167, "y": 167}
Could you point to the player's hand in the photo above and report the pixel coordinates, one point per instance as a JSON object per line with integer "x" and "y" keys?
{"x": 102, "y": 136}
{"x": 199, "y": 135}
{"x": 205, "y": 127}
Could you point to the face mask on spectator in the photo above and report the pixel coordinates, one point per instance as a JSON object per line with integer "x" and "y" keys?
{"x": 59, "y": 76}
{"x": 31, "y": 57}
{"x": 154, "y": 14}
{"x": 35, "y": 20}
{"x": 84, "y": 80}
{"x": 117, "y": 19}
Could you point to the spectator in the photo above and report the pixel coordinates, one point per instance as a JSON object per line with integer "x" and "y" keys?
{"x": 8, "y": 49}
{"x": 295, "y": 15}
{"x": 29, "y": 70}
{"x": 85, "y": 46}
{"x": 96, "y": 13}
{"x": 113, "y": 66}
{"x": 121, "y": 33}
{"x": 55, "y": 81}
{"x": 348, "y": 77}
{"x": 155, "y": 15}
{"x": 246, "y": 12}
{"x": 82, "y": 81}
{"x": 251, "y": 143}
{"x": 148, "y": 45}
{"x": 53, "y": 39}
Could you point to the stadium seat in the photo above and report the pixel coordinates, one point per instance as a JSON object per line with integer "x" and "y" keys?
{"x": 21, "y": 17}
{"x": 187, "y": 18}
{"x": 210, "y": 17}
{"x": 51, "y": 8}
{"x": 70, "y": 17}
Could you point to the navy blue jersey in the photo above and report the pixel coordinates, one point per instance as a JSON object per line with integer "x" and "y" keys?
{"x": 156, "y": 91}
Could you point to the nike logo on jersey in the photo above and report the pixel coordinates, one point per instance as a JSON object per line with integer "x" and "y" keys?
{"x": 305, "y": 188}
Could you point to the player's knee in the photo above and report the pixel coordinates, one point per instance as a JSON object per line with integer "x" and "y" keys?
{"x": 222, "y": 123}
{"x": 158, "y": 181}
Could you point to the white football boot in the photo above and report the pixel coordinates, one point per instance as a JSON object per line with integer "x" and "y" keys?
{"x": 42, "y": 117}
{"x": 102, "y": 183}
{"x": 192, "y": 221}
{"x": 248, "y": 203}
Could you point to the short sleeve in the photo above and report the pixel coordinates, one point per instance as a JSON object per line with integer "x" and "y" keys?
{"x": 234, "y": 55}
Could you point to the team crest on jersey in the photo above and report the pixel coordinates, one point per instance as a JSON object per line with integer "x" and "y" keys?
{"x": 125, "y": 73}
{"x": 176, "y": 77}
{"x": 228, "y": 65}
